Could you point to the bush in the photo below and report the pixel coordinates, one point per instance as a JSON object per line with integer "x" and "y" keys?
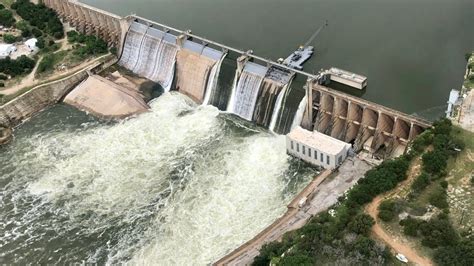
{"x": 438, "y": 232}
{"x": 435, "y": 161}
{"x": 47, "y": 63}
{"x": 2, "y": 84}
{"x": 3, "y": 77}
{"x": 21, "y": 65}
{"x": 36, "y": 32}
{"x": 26, "y": 33}
{"x": 411, "y": 226}
{"x": 442, "y": 127}
{"x": 439, "y": 198}
{"x": 421, "y": 182}
{"x": 361, "y": 224}
{"x": 8, "y": 38}
{"x": 6, "y": 18}
{"x": 22, "y": 25}
{"x": 387, "y": 210}
{"x": 460, "y": 254}
{"x": 422, "y": 141}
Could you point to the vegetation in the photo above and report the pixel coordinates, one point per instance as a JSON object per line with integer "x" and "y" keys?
{"x": 6, "y": 17}
{"x": 40, "y": 16}
{"x": 49, "y": 62}
{"x": 86, "y": 45}
{"x": 438, "y": 233}
{"x": 344, "y": 238}
{"x": 20, "y": 66}
{"x": 9, "y": 38}
{"x": 388, "y": 209}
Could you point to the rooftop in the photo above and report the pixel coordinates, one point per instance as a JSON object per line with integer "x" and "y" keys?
{"x": 347, "y": 75}
{"x": 318, "y": 140}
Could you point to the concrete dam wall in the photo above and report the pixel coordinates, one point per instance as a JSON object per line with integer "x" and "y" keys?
{"x": 91, "y": 20}
{"x": 191, "y": 64}
{"x": 367, "y": 125}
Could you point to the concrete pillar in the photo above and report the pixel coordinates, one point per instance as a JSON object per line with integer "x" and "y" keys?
{"x": 307, "y": 122}
{"x": 415, "y": 130}
{"x": 401, "y": 129}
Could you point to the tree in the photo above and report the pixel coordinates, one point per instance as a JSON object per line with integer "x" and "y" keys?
{"x": 421, "y": 182}
{"x": 361, "y": 224}
{"x": 387, "y": 210}
{"x": 460, "y": 254}
{"x": 434, "y": 161}
{"x": 8, "y": 38}
{"x": 439, "y": 198}
{"x": 6, "y": 18}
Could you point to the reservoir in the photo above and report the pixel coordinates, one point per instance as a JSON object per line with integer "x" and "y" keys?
{"x": 411, "y": 51}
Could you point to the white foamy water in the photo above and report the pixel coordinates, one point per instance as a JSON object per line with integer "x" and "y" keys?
{"x": 180, "y": 185}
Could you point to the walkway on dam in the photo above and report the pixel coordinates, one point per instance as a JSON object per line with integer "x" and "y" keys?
{"x": 322, "y": 193}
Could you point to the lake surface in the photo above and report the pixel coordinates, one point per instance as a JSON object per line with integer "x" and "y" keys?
{"x": 411, "y": 50}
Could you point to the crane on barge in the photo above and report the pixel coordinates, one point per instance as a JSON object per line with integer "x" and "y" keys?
{"x": 303, "y": 53}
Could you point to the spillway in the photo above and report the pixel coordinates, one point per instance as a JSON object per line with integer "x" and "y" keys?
{"x": 169, "y": 187}
{"x": 150, "y": 53}
{"x": 245, "y": 92}
{"x": 276, "y": 80}
{"x": 196, "y": 70}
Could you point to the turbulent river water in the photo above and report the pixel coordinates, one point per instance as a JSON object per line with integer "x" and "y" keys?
{"x": 179, "y": 185}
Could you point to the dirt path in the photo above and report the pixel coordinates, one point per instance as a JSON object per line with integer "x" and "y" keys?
{"x": 30, "y": 81}
{"x": 373, "y": 209}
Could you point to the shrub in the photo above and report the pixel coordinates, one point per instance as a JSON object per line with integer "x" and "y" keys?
{"x": 439, "y": 198}
{"x": 47, "y": 63}
{"x": 411, "y": 226}
{"x": 36, "y": 32}
{"x": 6, "y": 18}
{"x": 438, "y": 232}
{"x": 460, "y": 254}
{"x": 40, "y": 16}
{"x": 3, "y": 77}
{"x": 421, "y": 182}
{"x": 442, "y": 127}
{"x": 422, "y": 141}
{"x": 361, "y": 224}
{"x": 2, "y": 84}
{"x": 21, "y": 65}
{"x": 8, "y": 38}
{"x": 387, "y": 210}
{"x": 434, "y": 161}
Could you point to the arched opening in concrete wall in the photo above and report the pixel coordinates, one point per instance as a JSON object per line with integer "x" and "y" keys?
{"x": 352, "y": 130}
{"x": 316, "y": 104}
{"x": 327, "y": 103}
{"x": 341, "y": 107}
{"x": 385, "y": 123}
{"x": 401, "y": 129}
{"x": 339, "y": 119}
{"x": 354, "y": 112}
{"x": 370, "y": 118}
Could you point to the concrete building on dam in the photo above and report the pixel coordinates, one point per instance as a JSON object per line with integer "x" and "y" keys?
{"x": 182, "y": 61}
{"x": 317, "y": 148}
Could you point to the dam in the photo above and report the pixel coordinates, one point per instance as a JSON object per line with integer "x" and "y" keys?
{"x": 174, "y": 184}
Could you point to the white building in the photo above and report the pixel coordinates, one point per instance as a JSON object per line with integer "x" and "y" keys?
{"x": 6, "y": 50}
{"x": 31, "y": 44}
{"x": 317, "y": 148}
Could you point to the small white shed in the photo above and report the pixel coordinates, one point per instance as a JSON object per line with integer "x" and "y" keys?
{"x": 6, "y": 50}
{"x": 31, "y": 44}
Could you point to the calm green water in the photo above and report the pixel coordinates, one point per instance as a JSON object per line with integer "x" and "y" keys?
{"x": 411, "y": 50}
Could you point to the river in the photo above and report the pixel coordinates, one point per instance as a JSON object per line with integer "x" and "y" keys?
{"x": 179, "y": 185}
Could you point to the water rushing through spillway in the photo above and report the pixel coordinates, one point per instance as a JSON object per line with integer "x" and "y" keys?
{"x": 150, "y": 53}
{"x": 244, "y": 95}
{"x": 180, "y": 185}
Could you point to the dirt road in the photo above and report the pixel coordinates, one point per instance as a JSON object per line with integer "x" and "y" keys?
{"x": 373, "y": 209}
